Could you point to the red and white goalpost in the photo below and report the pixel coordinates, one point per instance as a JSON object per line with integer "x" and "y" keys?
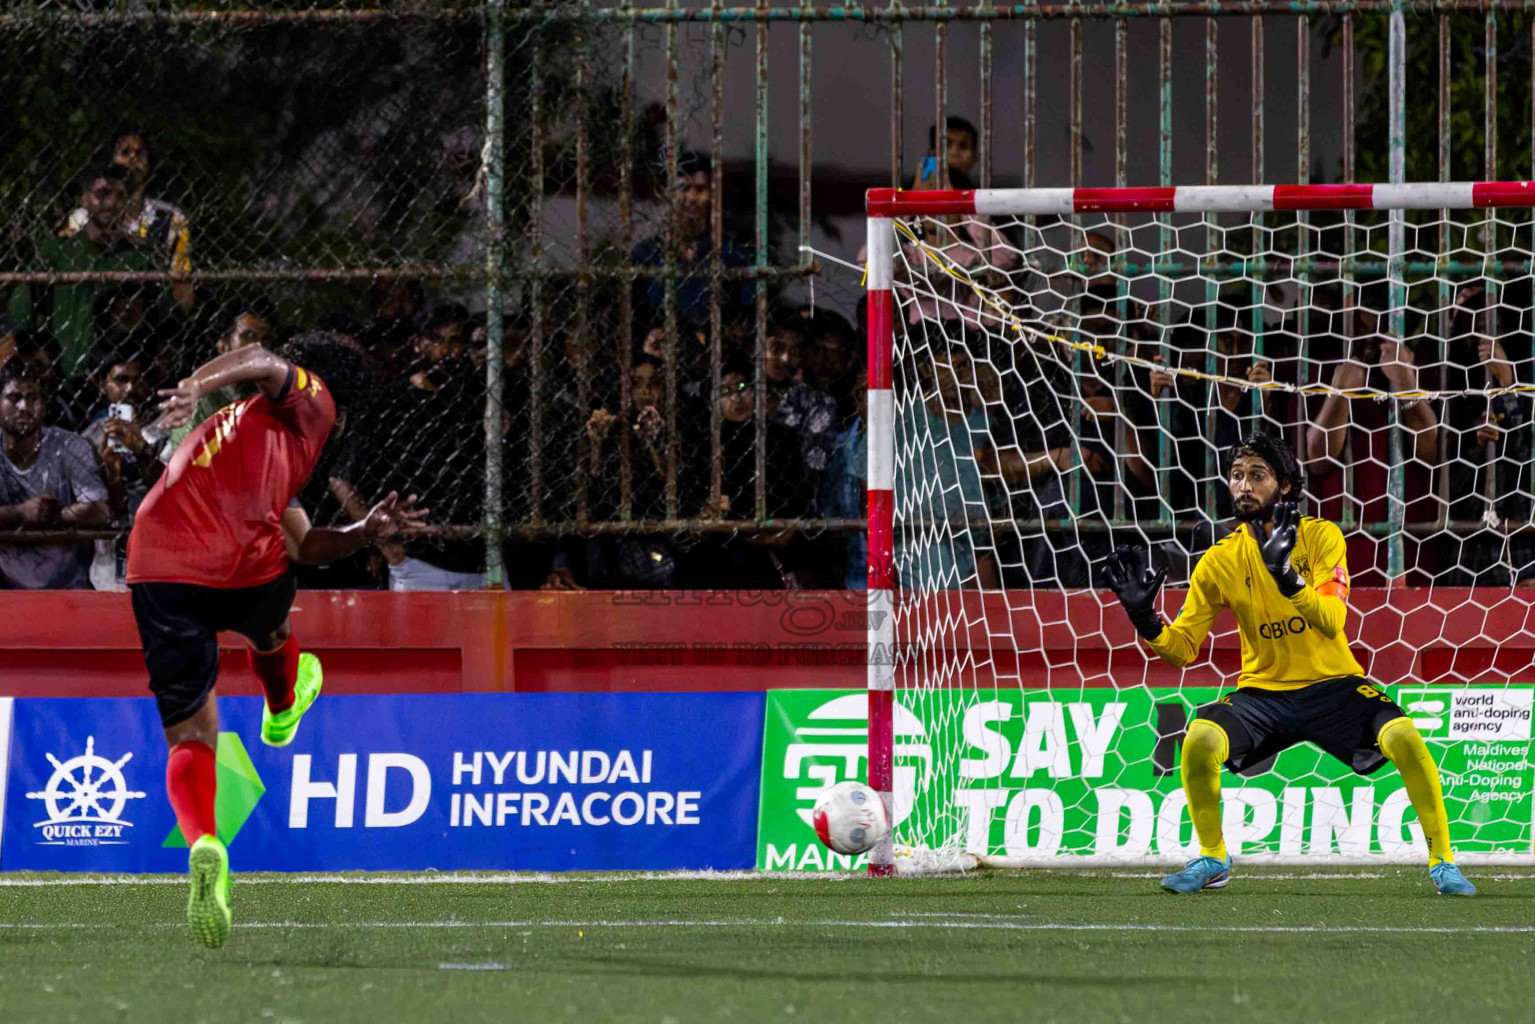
{"x": 1016, "y": 725}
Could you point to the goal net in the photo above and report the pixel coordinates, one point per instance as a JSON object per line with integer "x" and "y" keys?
{"x": 1054, "y": 371}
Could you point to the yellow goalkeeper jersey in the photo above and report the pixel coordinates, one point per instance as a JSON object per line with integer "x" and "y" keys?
{"x": 1287, "y": 643}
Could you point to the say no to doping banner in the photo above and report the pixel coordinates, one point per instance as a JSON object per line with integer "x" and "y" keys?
{"x": 1037, "y": 774}
{"x": 494, "y": 781}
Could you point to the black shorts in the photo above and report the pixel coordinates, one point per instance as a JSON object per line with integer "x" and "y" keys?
{"x": 179, "y": 625}
{"x": 1342, "y": 716}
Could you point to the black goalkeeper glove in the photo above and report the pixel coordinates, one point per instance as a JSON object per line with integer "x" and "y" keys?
{"x": 1130, "y": 577}
{"x": 1276, "y": 549}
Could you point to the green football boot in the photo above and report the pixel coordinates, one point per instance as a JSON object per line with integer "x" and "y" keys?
{"x": 208, "y": 906}
{"x": 278, "y": 728}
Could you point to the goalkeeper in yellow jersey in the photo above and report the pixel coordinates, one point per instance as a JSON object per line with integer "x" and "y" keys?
{"x": 1285, "y": 578}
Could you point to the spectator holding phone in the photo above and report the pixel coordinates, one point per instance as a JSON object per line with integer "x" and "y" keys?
{"x": 121, "y": 430}
{"x": 963, "y": 147}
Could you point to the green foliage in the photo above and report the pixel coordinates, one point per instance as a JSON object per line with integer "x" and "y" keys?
{"x": 1468, "y": 97}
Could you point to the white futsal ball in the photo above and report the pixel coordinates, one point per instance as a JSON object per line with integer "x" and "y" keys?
{"x": 850, "y": 818}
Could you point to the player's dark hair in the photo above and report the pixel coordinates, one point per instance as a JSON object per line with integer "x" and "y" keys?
{"x": 825, "y": 321}
{"x": 123, "y": 131}
{"x": 260, "y": 306}
{"x": 33, "y": 343}
{"x": 338, "y": 363}
{"x": 442, "y": 313}
{"x": 953, "y": 124}
{"x": 1276, "y": 453}
{"x": 738, "y": 363}
{"x": 20, "y": 368}
{"x": 119, "y": 352}
{"x": 790, "y": 323}
{"x": 111, "y": 172}
{"x": 691, "y": 162}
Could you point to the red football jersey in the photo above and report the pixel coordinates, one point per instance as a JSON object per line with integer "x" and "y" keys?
{"x": 214, "y": 518}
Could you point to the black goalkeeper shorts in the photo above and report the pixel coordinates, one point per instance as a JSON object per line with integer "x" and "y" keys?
{"x": 179, "y": 625}
{"x": 1342, "y": 716}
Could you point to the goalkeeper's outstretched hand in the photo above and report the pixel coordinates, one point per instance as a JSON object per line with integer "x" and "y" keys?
{"x": 1276, "y": 549}
{"x": 1130, "y": 576}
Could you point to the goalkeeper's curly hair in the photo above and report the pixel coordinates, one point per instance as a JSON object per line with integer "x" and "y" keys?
{"x": 340, "y": 363}
{"x": 1276, "y": 453}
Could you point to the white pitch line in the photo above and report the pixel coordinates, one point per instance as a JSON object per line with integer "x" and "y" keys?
{"x": 509, "y": 878}
{"x": 973, "y": 925}
{"x": 443, "y": 878}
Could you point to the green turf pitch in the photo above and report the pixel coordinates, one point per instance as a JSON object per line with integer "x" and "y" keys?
{"x": 1354, "y": 946}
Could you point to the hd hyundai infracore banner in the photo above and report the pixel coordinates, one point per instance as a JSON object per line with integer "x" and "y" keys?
{"x": 513, "y": 781}
{"x": 723, "y": 781}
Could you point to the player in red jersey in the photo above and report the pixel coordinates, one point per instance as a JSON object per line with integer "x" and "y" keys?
{"x": 212, "y": 549}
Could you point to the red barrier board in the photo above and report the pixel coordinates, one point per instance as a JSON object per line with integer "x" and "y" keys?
{"x": 85, "y": 644}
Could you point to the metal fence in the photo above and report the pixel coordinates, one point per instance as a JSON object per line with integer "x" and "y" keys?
{"x": 486, "y": 197}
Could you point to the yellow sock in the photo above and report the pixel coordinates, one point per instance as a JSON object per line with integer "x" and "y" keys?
{"x": 1400, "y": 742}
{"x": 1205, "y": 747}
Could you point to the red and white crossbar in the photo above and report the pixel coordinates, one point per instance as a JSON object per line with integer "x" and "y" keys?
{"x": 886, "y": 203}
{"x": 1438, "y": 195}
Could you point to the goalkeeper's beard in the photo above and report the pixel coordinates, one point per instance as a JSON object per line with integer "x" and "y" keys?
{"x": 1259, "y": 514}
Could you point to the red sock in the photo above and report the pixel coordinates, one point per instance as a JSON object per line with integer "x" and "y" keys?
{"x": 191, "y": 781}
{"x": 278, "y": 671}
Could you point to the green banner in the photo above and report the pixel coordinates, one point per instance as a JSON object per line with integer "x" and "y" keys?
{"x": 1038, "y": 773}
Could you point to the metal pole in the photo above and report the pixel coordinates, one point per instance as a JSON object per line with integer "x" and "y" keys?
{"x": 1349, "y": 504}
{"x": 1302, "y": 219}
{"x": 716, "y": 242}
{"x": 1031, "y": 105}
{"x": 1212, "y": 241}
{"x": 941, "y": 99}
{"x": 623, "y": 352}
{"x": 536, "y": 310}
{"x": 673, "y": 194}
{"x": 1490, "y": 228}
{"x": 760, "y": 257}
{"x": 1397, "y": 147}
{"x": 1261, "y": 237}
{"x": 988, "y": 98}
{"x": 1122, "y": 378}
{"x": 495, "y": 228}
{"x": 1165, "y": 452}
{"x": 1446, "y": 290}
{"x": 897, "y": 102}
{"x": 583, "y": 319}
{"x": 1078, "y": 237}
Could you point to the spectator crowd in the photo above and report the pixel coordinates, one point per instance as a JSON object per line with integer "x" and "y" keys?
{"x": 1017, "y": 466}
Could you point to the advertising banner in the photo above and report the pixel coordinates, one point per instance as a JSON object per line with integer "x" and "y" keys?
{"x": 454, "y": 781}
{"x": 1040, "y": 774}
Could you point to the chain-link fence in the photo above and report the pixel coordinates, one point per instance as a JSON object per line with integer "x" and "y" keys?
{"x": 180, "y": 180}
{"x": 592, "y": 223}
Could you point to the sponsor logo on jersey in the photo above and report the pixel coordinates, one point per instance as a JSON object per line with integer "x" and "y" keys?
{"x": 1278, "y": 629}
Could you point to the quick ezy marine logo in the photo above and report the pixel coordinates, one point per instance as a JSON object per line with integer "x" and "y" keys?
{"x": 84, "y": 800}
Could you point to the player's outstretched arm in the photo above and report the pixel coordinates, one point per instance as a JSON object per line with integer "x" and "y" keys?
{"x": 320, "y": 544}
{"x": 1130, "y": 577}
{"x": 249, "y": 365}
